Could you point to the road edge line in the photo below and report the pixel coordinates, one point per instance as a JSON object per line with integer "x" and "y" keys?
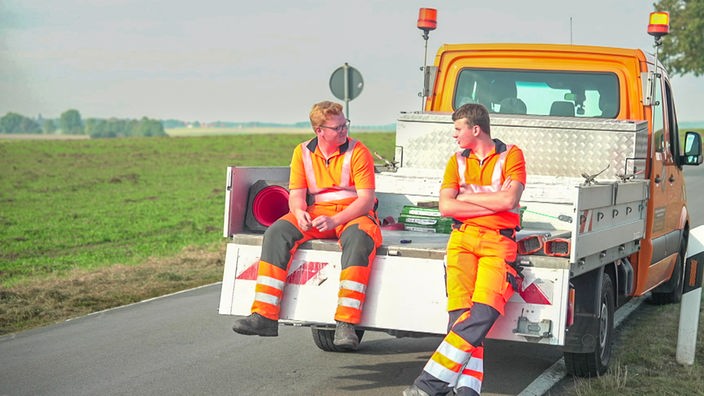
{"x": 557, "y": 371}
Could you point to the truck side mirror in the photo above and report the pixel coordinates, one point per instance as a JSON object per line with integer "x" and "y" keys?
{"x": 692, "y": 149}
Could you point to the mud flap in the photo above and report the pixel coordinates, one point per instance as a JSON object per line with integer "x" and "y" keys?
{"x": 583, "y": 335}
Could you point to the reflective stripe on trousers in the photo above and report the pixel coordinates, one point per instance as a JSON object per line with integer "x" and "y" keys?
{"x": 359, "y": 239}
{"x": 269, "y": 290}
{"x": 471, "y": 377}
{"x": 455, "y": 364}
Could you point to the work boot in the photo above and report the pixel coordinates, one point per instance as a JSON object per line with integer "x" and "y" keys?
{"x": 345, "y": 336}
{"x": 256, "y": 324}
{"x": 414, "y": 391}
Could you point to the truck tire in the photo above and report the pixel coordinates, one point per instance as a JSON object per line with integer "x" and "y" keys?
{"x": 324, "y": 337}
{"x": 675, "y": 286}
{"x": 595, "y": 363}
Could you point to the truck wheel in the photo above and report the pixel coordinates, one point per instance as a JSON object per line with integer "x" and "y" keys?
{"x": 324, "y": 337}
{"x": 595, "y": 363}
{"x": 676, "y": 285}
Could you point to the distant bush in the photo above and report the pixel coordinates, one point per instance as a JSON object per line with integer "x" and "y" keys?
{"x": 112, "y": 128}
{"x": 17, "y": 123}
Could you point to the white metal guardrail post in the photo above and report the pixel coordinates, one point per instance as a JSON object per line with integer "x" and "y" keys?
{"x": 691, "y": 298}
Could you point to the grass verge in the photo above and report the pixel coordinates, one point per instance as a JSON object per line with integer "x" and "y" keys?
{"x": 644, "y": 361}
{"x": 79, "y": 292}
{"x": 87, "y": 225}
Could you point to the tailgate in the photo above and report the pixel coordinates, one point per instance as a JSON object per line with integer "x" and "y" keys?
{"x": 404, "y": 294}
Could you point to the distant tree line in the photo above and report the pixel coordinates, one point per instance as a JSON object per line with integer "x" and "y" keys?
{"x": 71, "y": 123}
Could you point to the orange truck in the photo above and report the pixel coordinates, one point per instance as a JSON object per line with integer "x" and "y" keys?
{"x": 604, "y": 212}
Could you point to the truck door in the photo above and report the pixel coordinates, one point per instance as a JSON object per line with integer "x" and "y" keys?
{"x": 667, "y": 178}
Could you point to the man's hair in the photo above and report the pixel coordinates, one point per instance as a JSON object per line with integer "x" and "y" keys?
{"x": 473, "y": 114}
{"x": 321, "y": 111}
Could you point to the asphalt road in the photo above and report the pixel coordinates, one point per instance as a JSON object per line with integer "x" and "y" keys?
{"x": 179, "y": 345}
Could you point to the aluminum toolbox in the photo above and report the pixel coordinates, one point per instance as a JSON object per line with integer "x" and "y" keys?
{"x": 552, "y": 146}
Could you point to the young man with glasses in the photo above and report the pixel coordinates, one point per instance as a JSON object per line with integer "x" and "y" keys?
{"x": 338, "y": 173}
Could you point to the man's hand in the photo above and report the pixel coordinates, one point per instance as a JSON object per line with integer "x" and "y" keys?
{"x": 323, "y": 223}
{"x": 303, "y": 218}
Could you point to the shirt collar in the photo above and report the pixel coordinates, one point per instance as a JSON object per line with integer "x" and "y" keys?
{"x": 499, "y": 147}
{"x": 313, "y": 144}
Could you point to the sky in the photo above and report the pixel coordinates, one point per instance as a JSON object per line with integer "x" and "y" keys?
{"x": 270, "y": 60}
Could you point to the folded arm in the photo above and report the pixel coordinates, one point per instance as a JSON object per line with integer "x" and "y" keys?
{"x": 469, "y": 205}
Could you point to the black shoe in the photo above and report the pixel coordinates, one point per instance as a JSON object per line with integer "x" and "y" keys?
{"x": 414, "y": 391}
{"x": 256, "y": 324}
{"x": 345, "y": 336}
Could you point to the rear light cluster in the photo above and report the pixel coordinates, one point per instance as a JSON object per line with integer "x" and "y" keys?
{"x": 532, "y": 244}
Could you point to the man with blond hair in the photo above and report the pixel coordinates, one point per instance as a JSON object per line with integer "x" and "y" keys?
{"x": 338, "y": 173}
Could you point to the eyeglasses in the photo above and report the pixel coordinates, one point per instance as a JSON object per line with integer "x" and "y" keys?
{"x": 338, "y": 128}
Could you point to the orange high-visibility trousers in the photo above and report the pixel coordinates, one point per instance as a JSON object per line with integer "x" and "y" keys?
{"x": 478, "y": 286}
{"x": 477, "y": 269}
{"x": 358, "y": 240}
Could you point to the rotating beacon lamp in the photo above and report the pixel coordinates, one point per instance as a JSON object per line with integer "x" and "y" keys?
{"x": 658, "y": 26}
{"x": 427, "y": 21}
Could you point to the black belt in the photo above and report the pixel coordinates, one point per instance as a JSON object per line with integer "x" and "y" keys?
{"x": 508, "y": 233}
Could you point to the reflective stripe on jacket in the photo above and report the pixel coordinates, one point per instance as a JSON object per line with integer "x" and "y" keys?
{"x": 496, "y": 176}
{"x": 343, "y": 190}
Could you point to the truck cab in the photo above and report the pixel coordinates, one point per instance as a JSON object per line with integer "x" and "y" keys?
{"x": 590, "y": 83}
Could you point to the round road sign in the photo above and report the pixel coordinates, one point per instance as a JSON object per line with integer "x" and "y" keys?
{"x": 346, "y": 82}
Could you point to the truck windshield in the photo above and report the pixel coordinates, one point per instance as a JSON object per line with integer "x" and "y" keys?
{"x": 543, "y": 92}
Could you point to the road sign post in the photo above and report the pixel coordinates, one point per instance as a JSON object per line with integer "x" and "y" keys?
{"x": 346, "y": 84}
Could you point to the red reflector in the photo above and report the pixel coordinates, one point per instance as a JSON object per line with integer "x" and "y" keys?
{"x": 570, "y": 308}
{"x": 269, "y": 204}
{"x": 532, "y": 294}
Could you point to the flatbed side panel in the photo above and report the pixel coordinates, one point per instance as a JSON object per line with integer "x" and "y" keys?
{"x": 608, "y": 215}
{"x": 404, "y": 294}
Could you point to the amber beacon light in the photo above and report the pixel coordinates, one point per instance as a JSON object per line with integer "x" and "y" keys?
{"x": 427, "y": 20}
{"x": 659, "y": 24}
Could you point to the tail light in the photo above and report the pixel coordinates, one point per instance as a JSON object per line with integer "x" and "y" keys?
{"x": 559, "y": 247}
{"x": 530, "y": 244}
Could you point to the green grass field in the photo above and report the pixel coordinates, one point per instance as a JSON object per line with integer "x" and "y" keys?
{"x": 87, "y": 225}
{"x": 93, "y": 203}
